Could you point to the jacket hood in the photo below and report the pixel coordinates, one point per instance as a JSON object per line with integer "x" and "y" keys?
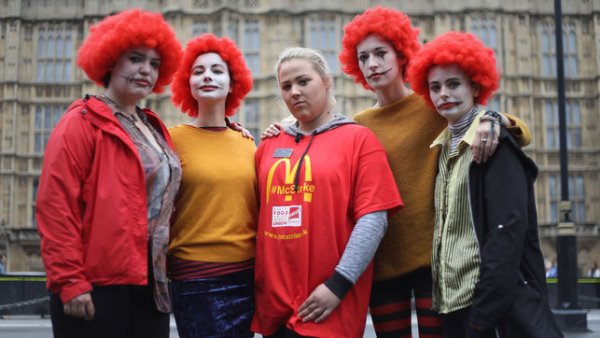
{"x": 294, "y": 131}
{"x": 336, "y": 121}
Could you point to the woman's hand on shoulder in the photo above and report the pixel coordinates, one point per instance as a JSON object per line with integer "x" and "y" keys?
{"x": 319, "y": 305}
{"x": 239, "y": 128}
{"x": 272, "y": 131}
{"x": 485, "y": 141}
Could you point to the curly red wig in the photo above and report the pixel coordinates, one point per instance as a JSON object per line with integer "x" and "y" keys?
{"x": 241, "y": 77}
{"x": 462, "y": 49}
{"x": 389, "y": 24}
{"x": 114, "y": 35}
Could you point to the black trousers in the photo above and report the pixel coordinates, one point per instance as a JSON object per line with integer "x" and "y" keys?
{"x": 121, "y": 311}
{"x": 455, "y": 326}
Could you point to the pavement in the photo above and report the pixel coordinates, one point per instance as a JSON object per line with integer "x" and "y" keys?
{"x": 36, "y": 327}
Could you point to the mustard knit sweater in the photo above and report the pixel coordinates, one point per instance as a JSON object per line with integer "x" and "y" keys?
{"x": 216, "y": 209}
{"x": 406, "y": 129}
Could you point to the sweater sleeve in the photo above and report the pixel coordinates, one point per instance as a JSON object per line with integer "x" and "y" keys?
{"x": 59, "y": 206}
{"x": 359, "y": 252}
{"x": 520, "y": 130}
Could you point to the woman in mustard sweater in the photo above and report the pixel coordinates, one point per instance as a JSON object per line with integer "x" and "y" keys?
{"x": 211, "y": 252}
{"x": 376, "y": 48}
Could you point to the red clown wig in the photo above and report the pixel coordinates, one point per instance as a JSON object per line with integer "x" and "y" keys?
{"x": 241, "y": 77}
{"x": 134, "y": 28}
{"x": 389, "y": 24}
{"x": 467, "y": 52}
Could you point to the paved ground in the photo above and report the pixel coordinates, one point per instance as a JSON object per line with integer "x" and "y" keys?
{"x": 35, "y": 327}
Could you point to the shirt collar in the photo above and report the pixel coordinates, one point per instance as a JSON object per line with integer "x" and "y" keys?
{"x": 445, "y": 135}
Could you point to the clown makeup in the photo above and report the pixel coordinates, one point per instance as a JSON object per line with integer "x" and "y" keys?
{"x": 134, "y": 74}
{"x": 209, "y": 79}
{"x": 378, "y": 62}
{"x": 451, "y": 91}
{"x": 305, "y": 93}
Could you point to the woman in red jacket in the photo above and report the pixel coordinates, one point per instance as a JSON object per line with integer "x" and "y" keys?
{"x": 107, "y": 187}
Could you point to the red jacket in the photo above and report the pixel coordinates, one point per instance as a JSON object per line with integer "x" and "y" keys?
{"x": 91, "y": 204}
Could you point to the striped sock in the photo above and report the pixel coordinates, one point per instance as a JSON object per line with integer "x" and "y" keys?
{"x": 430, "y": 323}
{"x": 392, "y": 319}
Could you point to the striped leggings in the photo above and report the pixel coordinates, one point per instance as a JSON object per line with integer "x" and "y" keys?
{"x": 391, "y": 306}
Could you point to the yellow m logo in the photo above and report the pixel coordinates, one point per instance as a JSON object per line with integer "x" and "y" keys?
{"x": 290, "y": 173}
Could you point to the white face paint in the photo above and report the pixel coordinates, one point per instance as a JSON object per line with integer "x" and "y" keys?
{"x": 378, "y": 62}
{"x": 451, "y": 91}
{"x": 305, "y": 93}
{"x": 209, "y": 79}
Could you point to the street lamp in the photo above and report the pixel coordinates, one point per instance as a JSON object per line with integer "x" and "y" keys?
{"x": 570, "y": 316}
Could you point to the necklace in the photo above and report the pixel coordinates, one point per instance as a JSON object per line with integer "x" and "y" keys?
{"x": 208, "y": 126}
{"x": 131, "y": 117}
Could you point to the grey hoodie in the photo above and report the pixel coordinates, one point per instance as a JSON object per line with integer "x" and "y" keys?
{"x": 336, "y": 121}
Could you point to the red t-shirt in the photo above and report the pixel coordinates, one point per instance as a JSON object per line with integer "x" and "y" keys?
{"x": 302, "y": 235}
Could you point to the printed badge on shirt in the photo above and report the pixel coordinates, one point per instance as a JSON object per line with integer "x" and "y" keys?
{"x": 287, "y": 216}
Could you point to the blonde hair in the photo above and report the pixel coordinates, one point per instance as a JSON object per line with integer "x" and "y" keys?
{"x": 317, "y": 61}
